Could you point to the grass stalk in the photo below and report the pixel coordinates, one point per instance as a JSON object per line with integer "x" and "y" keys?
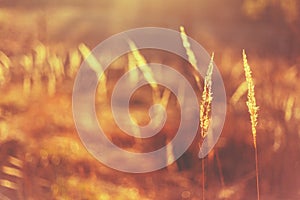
{"x": 96, "y": 67}
{"x": 27, "y": 63}
{"x": 146, "y": 70}
{"x": 74, "y": 62}
{"x": 252, "y": 108}
{"x": 206, "y": 100}
{"x": 220, "y": 168}
{"x": 203, "y": 178}
{"x": 205, "y": 109}
{"x": 133, "y": 76}
{"x": 191, "y": 55}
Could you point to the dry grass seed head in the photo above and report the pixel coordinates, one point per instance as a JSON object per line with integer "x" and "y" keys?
{"x": 206, "y": 100}
{"x": 251, "y": 102}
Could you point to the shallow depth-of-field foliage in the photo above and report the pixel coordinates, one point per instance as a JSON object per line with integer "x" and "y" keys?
{"x": 42, "y": 46}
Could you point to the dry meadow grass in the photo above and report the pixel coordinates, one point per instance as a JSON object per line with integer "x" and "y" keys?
{"x": 42, "y": 157}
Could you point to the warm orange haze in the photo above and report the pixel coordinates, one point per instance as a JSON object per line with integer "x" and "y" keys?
{"x": 255, "y": 45}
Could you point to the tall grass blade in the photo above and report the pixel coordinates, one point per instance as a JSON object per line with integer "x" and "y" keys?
{"x": 146, "y": 70}
{"x": 252, "y": 108}
{"x": 190, "y": 54}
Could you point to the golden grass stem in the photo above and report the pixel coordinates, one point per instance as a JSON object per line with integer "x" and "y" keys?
{"x": 165, "y": 98}
{"x": 190, "y": 54}
{"x": 74, "y": 62}
{"x": 133, "y": 76}
{"x": 206, "y": 101}
{"x": 252, "y": 108}
{"x": 96, "y": 67}
{"x": 203, "y": 179}
{"x": 187, "y": 46}
{"x": 4, "y": 60}
{"x": 40, "y": 52}
{"x": 57, "y": 66}
{"x": 220, "y": 168}
{"x": 239, "y": 92}
{"x": 205, "y": 109}
{"x": 257, "y": 173}
{"x": 8, "y": 184}
{"x": 2, "y": 77}
{"x": 27, "y": 63}
{"x": 146, "y": 70}
{"x": 251, "y": 102}
{"x": 289, "y": 108}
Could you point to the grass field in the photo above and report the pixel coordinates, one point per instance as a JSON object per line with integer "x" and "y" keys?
{"x": 41, "y": 155}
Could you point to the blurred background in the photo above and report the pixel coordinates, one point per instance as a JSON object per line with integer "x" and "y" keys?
{"x": 41, "y": 156}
